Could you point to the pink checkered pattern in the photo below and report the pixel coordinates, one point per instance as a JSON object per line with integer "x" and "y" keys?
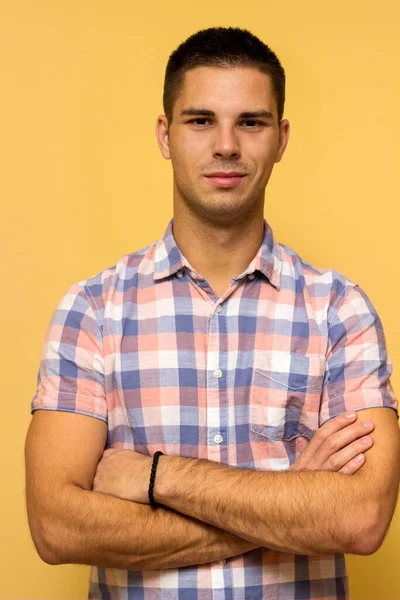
{"x": 245, "y": 380}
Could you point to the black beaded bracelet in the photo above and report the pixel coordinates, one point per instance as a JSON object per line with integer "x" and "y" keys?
{"x": 153, "y": 477}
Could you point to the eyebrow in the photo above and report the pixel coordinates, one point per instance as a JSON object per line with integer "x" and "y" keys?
{"x": 210, "y": 113}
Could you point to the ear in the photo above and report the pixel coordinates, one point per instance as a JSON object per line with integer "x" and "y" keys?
{"x": 163, "y": 136}
{"x": 284, "y": 132}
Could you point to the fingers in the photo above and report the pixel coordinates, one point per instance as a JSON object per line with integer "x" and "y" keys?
{"x": 351, "y": 458}
{"x": 354, "y": 465}
{"x": 331, "y": 427}
{"x": 337, "y": 434}
{"x": 336, "y": 445}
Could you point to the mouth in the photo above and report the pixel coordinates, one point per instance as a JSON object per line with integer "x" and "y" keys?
{"x": 225, "y": 180}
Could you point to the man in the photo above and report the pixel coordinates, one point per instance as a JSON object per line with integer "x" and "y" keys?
{"x": 226, "y": 351}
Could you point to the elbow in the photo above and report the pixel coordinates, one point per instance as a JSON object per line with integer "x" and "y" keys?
{"x": 45, "y": 541}
{"x": 369, "y": 538}
{"x": 366, "y": 546}
{"x": 379, "y": 528}
{"x": 48, "y": 555}
{"x": 53, "y": 534}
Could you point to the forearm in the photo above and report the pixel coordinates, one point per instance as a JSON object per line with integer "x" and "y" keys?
{"x": 92, "y": 528}
{"x": 295, "y": 512}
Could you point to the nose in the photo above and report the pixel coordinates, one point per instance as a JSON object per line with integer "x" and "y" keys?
{"x": 226, "y": 144}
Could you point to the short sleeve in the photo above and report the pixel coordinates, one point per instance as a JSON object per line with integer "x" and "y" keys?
{"x": 71, "y": 373}
{"x": 358, "y": 366}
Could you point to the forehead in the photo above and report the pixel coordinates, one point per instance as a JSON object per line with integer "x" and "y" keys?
{"x": 226, "y": 89}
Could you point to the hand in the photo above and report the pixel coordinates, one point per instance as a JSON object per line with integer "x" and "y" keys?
{"x": 334, "y": 447}
{"x": 124, "y": 474}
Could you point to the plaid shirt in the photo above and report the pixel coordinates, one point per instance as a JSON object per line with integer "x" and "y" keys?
{"x": 244, "y": 380}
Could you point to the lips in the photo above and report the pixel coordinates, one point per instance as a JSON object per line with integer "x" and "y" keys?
{"x": 226, "y": 174}
{"x": 225, "y": 178}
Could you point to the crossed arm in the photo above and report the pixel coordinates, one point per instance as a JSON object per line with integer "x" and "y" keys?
{"x": 212, "y": 511}
{"x": 70, "y": 523}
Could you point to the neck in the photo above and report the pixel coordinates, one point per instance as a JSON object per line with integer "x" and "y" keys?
{"x": 218, "y": 252}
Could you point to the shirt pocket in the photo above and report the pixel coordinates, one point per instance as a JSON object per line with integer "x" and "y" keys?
{"x": 285, "y": 394}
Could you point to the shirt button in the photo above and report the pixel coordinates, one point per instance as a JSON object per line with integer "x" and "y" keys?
{"x": 251, "y": 276}
{"x": 193, "y": 275}
{"x": 217, "y": 373}
{"x": 218, "y": 438}
{"x": 222, "y": 562}
{"x": 218, "y": 309}
{"x": 179, "y": 274}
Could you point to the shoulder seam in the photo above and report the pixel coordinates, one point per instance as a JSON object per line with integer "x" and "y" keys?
{"x": 342, "y": 298}
{"x": 99, "y": 325}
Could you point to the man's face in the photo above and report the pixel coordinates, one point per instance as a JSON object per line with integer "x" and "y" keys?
{"x": 224, "y": 121}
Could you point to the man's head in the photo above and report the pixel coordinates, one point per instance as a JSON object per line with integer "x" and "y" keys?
{"x": 223, "y": 98}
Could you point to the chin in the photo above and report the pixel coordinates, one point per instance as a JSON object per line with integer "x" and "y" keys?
{"x": 222, "y": 213}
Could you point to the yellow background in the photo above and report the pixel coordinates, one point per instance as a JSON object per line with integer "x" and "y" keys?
{"x": 83, "y": 182}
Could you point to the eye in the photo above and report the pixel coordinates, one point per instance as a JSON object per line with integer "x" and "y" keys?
{"x": 253, "y": 123}
{"x": 204, "y": 119}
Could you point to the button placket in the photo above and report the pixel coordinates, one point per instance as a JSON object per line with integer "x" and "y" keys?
{"x": 216, "y": 393}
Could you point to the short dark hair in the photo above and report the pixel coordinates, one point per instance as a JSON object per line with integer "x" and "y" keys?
{"x": 221, "y": 47}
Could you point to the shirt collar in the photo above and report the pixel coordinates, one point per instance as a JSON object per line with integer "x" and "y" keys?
{"x": 268, "y": 260}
